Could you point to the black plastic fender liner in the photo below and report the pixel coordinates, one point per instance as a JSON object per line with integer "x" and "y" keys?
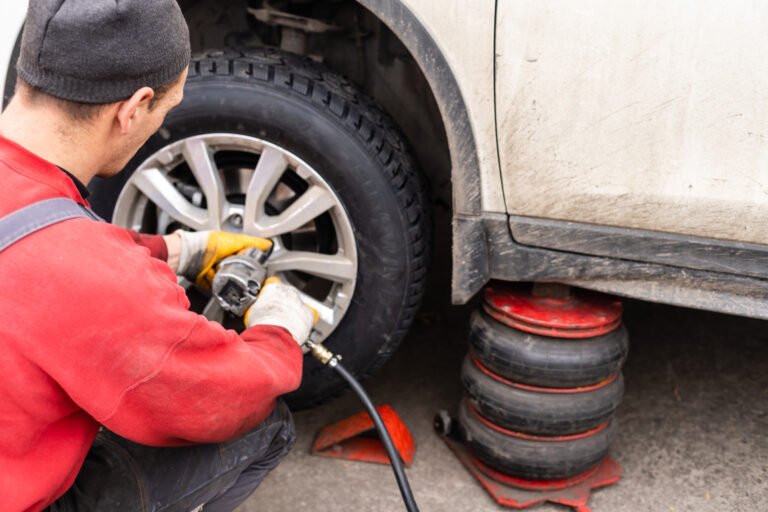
{"x": 537, "y": 410}
{"x": 533, "y": 457}
{"x": 543, "y": 361}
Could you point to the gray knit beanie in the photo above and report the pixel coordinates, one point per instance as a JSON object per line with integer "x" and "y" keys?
{"x": 102, "y": 51}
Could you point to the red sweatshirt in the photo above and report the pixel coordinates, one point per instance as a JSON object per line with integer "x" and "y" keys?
{"x": 95, "y": 331}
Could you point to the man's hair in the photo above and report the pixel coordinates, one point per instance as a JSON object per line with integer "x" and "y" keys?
{"x": 83, "y": 112}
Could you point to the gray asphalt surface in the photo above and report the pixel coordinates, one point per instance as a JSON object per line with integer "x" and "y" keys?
{"x": 693, "y": 430}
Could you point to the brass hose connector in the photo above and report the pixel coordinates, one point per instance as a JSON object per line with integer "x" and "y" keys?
{"x": 322, "y": 354}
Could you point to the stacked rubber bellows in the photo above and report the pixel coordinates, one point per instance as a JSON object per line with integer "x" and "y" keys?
{"x": 542, "y": 381}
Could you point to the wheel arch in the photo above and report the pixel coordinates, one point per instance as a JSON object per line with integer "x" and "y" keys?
{"x": 456, "y": 184}
{"x": 445, "y": 89}
{"x": 469, "y": 247}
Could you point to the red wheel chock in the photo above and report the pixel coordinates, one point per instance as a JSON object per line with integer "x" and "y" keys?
{"x": 519, "y": 493}
{"x": 350, "y": 438}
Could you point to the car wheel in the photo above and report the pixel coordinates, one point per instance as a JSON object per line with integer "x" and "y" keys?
{"x": 274, "y": 145}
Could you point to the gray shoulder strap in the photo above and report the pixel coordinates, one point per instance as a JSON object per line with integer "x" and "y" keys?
{"x": 36, "y": 216}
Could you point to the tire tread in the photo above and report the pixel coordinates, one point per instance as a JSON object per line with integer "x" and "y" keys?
{"x": 362, "y": 117}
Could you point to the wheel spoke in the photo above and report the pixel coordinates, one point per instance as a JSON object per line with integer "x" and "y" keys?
{"x": 310, "y": 205}
{"x": 334, "y": 267}
{"x": 156, "y": 186}
{"x": 199, "y": 157}
{"x": 269, "y": 170}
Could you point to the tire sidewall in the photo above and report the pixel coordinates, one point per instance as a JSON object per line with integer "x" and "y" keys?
{"x": 544, "y": 361}
{"x": 534, "y": 459}
{"x": 353, "y": 173}
{"x": 539, "y": 412}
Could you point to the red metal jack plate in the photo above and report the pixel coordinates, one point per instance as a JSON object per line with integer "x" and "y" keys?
{"x": 517, "y": 493}
{"x": 583, "y": 314}
{"x": 348, "y": 439}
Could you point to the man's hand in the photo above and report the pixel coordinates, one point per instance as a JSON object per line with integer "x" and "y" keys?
{"x": 280, "y": 304}
{"x": 199, "y": 252}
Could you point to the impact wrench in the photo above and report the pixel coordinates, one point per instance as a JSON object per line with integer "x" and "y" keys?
{"x": 236, "y": 286}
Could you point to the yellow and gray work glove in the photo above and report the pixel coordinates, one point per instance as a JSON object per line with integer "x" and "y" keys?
{"x": 281, "y": 305}
{"x": 201, "y": 251}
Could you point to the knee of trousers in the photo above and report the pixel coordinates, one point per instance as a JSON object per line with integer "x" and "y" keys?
{"x": 270, "y": 440}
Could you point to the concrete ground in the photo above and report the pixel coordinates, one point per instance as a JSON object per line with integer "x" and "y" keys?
{"x": 693, "y": 430}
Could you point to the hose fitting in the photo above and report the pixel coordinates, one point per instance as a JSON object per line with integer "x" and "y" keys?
{"x": 323, "y": 355}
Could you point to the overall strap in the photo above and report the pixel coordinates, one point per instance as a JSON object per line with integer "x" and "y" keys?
{"x": 36, "y": 216}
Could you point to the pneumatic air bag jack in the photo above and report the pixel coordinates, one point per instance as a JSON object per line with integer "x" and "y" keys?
{"x": 542, "y": 381}
{"x": 332, "y": 361}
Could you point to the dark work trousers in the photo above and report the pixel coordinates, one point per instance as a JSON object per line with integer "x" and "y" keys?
{"x": 119, "y": 475}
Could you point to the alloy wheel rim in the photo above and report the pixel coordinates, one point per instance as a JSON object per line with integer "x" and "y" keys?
{"x": 244, "y": 184}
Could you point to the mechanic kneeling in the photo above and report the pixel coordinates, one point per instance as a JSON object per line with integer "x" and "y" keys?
{"x": 95, "y": 330}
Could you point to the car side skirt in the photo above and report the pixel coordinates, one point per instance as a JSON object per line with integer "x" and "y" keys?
{"x": 490, "y": 252}
{"x": 742, "y": 259}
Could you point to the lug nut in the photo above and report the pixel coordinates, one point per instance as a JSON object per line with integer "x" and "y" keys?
{"x": 236, "y": 220}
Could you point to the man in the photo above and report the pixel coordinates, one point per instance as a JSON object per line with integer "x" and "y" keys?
{"x": 94, "y": 330}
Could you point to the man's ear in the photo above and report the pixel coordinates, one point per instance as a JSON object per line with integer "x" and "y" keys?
{"x": 129, "y": 108}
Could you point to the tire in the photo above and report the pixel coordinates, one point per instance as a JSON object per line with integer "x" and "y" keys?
{"x": 536, "y": 458}
{"x": 542, "y": 361}
{"x": 540, "y": 411}
{"x": 324, "y": 120}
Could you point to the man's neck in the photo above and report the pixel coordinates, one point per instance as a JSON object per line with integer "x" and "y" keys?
{"x": 51, "y": 138}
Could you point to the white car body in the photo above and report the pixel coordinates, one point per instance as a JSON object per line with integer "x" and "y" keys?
{"x": 645, "y": 115}
{"x": 628, "y": 137}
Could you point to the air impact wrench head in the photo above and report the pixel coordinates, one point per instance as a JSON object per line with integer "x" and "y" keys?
{"x": 239, "y": 279}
